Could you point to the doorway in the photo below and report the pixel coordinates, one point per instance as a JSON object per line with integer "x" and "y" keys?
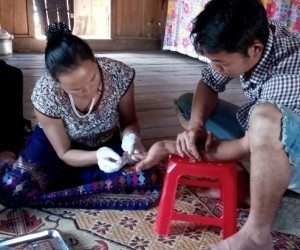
{"x": 89, "y": 19}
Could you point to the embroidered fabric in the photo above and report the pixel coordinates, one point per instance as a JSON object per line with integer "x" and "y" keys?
{"x": 119, "y": 190}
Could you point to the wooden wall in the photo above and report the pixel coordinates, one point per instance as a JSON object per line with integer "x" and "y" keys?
{"x": 136, "y": 25}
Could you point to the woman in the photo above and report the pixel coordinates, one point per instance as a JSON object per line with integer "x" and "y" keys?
{"x": 86, "y": 113}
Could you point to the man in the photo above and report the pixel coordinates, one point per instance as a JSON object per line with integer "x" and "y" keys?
{"x": 239, "y": 41}
{"x": 13, "y": 126}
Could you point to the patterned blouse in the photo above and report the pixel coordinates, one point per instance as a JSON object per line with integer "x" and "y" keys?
{"x": 275, "y": 78}
{"x": 97, "y": 127}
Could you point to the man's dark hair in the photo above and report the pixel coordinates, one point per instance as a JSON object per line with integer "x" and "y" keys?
{"x": 64, "y": 51}
{"x": 230, "y": 26}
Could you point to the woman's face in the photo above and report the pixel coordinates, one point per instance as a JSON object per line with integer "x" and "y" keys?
{"x": 82, "y": 82}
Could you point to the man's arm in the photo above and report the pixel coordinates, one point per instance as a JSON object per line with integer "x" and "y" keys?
{"x": 217, "y": 150}
{"x": 204, "y": 102}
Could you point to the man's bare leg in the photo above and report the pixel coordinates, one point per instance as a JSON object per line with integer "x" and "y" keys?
{"x": 243, "y": 192}
{"x": 242, "y": 176}
{"x": 269, "y": 178}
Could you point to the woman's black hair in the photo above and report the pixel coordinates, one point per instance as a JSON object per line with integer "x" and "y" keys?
{"x": 230, "y": 26}
{"x": 64, "y": 51}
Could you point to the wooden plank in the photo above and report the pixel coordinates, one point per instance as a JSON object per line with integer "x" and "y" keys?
{"x": 100, "y": 19}
{"x": 153, "y": 19}
{"x": 117, "y": 17}
{"x": 159, "y": 121}
{"x": 150, "y": 18}
{"x": 82, "y": 9}
{"x": 162, "y": 20}
{"x": 7, "y": 15}
{"x": 30, "y": 21}
{"x": 22, "y": 44}
{"x": 157, "y": 133}
{"x": 129, "y": 18}
{"x": 20, "y": 22}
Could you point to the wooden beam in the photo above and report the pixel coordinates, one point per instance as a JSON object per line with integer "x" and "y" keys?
{"x": 20, "y": 24}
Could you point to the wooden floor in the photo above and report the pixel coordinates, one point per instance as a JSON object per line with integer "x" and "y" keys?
{"x": 160, "y": 78}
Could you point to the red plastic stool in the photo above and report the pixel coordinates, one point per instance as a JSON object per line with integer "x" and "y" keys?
{"x": 224, "y": 178}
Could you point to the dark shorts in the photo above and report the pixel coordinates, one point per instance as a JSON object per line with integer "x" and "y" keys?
{"x": 222, "y": 122}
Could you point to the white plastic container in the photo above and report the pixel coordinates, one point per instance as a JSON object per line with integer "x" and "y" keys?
{"x": 6, "y": 48}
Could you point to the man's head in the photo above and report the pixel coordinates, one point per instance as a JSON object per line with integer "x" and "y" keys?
{"x": 227, "y": 27}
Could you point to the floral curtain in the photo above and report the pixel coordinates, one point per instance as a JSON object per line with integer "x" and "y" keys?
{"x": 182, "y": 12}
{"x": 286, "y": 12}
{"x": 178, "y": 26}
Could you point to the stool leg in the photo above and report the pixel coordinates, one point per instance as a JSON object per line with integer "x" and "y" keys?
{"x": 229, "y": 206}
{"x": 166, "y": 205}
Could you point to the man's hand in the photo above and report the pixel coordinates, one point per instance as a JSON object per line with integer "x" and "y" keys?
{"x": 188, "y": 141}
{"x": 162, "y": 149}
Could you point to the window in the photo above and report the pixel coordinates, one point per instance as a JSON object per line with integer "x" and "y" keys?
{"x": 86, "y": 18}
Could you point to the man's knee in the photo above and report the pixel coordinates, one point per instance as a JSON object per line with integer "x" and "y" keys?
{"x": 184, "y": 105}
{"x": 265, "y": 116}
{"x": 265, "y": 124}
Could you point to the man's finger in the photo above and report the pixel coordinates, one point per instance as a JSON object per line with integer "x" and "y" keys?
{"x": 193, "y": 153}
{"x": 209, "y": 141}
{"x": 179, "y": 148}
{"x": 142, "y": 165}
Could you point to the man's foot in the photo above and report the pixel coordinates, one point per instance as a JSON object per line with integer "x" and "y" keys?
{"x": 213, "y": 193}
{"x": 243, "y": 193}
{"x": 245, "y": 240}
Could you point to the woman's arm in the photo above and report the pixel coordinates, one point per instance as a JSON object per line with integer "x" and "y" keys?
{"x": 128, "y": 119}
{"x": 59, "y": 139}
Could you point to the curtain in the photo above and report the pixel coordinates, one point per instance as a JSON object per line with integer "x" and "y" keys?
{"x": 180, "y": 14}
{"x": 285, "y": 11}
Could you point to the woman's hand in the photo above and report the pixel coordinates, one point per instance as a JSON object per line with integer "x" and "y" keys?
{"x": 108, "y": 160}
{"x": 131, "y": 143}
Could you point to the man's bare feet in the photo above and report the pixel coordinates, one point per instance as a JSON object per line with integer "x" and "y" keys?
{"x": 213, "y": 193}
{"x": 246, "y": 239}
{"x": 243, "y": 193}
